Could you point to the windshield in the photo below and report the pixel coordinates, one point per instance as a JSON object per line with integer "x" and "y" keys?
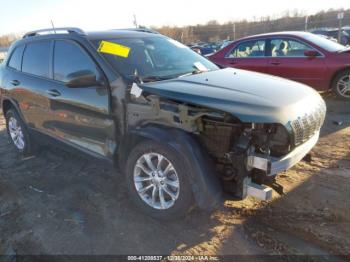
{"x": 324, "y": 43}
{"x": 157, "y": 57}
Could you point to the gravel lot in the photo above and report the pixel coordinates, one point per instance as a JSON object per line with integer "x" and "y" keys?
{"x": 60, "y": 203}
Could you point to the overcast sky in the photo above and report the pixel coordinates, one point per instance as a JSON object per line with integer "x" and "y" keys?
{"x": 17, "y": 16}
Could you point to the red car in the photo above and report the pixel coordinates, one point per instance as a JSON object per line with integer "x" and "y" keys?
{"x": 299, "y": 56}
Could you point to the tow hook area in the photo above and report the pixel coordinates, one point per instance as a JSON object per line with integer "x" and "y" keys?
{"x": 261, "y": 192}
{"x": 261, "y": 188}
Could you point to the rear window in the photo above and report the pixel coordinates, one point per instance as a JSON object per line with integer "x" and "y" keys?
{"x": 36, "y": 58}
{"x": 16, "y": 58}
{"x": 324, "y": 43}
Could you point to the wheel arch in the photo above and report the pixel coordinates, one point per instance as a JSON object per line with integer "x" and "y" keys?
{"x": 6, "y": 105}
{"x": 205, "y": 184}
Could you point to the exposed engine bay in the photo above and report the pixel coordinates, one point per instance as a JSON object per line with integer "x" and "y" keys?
{"x": 230, "y": 142}
{"x": 224, "y": 137}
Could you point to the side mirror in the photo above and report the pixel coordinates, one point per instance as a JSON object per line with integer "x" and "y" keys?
{"x": 81, "y": 79}
{"x": 311, "y": 53}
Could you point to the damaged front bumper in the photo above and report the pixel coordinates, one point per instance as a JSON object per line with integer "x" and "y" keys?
{"x": 274, "y": 165}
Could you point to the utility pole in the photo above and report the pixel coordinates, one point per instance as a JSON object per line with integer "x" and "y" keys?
{"x": 135, "y": 21}
{"x": 234, "y": 31}
{"x": 340, "y": 19}
{"x": 191, "y": 35}
{"x": 306, "y": 22}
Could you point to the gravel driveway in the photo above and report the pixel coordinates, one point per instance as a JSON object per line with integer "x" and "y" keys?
{"x": 60, "y": 203}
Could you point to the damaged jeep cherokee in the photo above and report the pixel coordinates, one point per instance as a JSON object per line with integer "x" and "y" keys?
{"x": 181, "y": 130}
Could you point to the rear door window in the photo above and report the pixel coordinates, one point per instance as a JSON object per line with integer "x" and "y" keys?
{"x": 16, "y": 58}
{"x": 70, "y": 58}
{"x": 254, "y": 48}
{"x": 36, "y": 58}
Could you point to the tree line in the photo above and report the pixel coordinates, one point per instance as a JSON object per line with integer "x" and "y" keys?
{"x": 289, "y": 21}
{"x": 6, "y": 40}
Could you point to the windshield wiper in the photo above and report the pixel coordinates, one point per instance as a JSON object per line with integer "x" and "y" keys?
{"x": 198, "y": 68}
{"x": 146, "y": 79}
{"x": 194, "y": 72}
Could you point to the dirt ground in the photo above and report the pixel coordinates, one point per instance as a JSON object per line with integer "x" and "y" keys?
{"x": 60, "y": 203}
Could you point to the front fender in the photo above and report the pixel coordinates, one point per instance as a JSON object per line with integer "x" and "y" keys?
{"x": 205, "y": 184}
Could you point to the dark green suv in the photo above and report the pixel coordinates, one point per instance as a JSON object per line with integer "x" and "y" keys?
{"x": 180, "y": 129}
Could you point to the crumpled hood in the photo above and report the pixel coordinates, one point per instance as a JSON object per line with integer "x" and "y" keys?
{"x": 250, "y": 96}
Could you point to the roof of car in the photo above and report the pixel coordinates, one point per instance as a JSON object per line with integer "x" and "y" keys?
{"x": 107, "y": 34}
{"x": 283, "y": 33}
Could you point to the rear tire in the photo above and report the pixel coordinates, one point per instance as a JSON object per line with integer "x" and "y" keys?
{"x": 341, "y": 85}
{"x": 157, "y": 180}
{"x": 18, "y": 133}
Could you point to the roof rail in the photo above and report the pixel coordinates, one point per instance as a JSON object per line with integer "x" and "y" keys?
{"x": 69, "y": 30}
{"x": 145, "y": 30}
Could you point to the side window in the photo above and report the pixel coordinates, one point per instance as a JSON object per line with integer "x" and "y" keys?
{"x": 70, "y": 58}
{"x": 288, "y": 48}
{"x": 36, "y": 58}
{"x": 254, "y": 48}
{"x": 16, "y": 58}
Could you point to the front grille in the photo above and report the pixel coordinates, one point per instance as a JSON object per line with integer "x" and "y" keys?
{"x": 306, "y": 126}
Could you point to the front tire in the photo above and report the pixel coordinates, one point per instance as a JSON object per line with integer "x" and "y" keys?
{"x": 341, "y": 85}
{"x": 157, "y": 179}
{"x": 18, "y": 133}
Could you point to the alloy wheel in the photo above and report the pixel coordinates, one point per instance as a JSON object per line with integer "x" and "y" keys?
{"x": 16, "y": 133}
{"x": 156, "y": 181}
{"x": 343, "y": 86}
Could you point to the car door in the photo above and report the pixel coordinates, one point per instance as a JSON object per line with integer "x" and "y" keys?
{"x": 288, "y": 60}
{"x": 11, "y": 75}
{"x": 249, "y": 55}
{"x": 28, "y": 84}
{"x": 79, "y": 115}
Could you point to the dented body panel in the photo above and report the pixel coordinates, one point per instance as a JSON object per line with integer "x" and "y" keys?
{"x": 251, "y": 97}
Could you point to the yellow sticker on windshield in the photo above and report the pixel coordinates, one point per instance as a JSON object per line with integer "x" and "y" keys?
{"x": 114, "y": 49}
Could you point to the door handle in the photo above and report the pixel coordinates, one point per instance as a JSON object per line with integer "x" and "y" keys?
{"x": 15, "y": 82}
{"x": 232, "y": 63}
{"x": 53, "y": 92}
{"x": 275, "y": 63}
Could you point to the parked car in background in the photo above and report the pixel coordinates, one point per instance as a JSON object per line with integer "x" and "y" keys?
{"x": 330, "y": 38}
{"x": 195, "y": 48}
{"x": 299, "y": 56}
{"x": 347, "y": 29}
{"x": 333, "y": 32}
{"x": 225, "y": 43}
{"x": 204, "y": 49}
